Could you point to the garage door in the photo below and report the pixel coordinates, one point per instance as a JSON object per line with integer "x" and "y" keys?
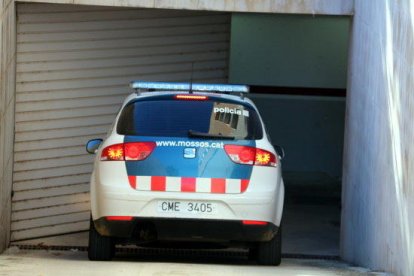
{"x": 74, "y": 64}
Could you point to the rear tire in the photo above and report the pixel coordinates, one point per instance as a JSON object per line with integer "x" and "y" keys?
{"x": 270, "y": 253}
{"x": 100, "y": 248}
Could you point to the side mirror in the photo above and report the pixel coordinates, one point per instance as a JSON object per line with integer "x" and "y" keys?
{"x": 280, "y": 151}
{"x": 93, "y": 145}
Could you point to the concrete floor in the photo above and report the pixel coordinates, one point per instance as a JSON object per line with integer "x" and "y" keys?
{"x": 41, "y": 262}
{"x": 309, "y": 229}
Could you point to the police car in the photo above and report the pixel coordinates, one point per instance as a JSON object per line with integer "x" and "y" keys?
{"x": 187, "y": 163}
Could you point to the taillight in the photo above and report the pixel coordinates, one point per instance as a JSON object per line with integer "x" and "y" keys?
{"x": 241, "y": 154}
{"x": 250, "y": 155}
{"x": 265, "y": 158}
{"x": 191, "y": 97}
{"x": 127, "y": 151}
{"x": 113, "y": 153}
{"x": 138, "y": 151}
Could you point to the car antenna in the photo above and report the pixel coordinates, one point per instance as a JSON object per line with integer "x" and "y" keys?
{"x": 191, "y": 78}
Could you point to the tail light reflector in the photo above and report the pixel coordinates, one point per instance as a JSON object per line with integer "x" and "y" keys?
{"x": 250, "y": 155}
{"x": 254, "y": 222}
{"x": 127, "y": 151}
{"x": 119, "y": 218}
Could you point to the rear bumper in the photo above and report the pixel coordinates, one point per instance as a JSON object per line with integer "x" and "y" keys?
{"x": 111, "y": 195}
{"x": 168, "y": 229}
{"x": 263, "y": 200}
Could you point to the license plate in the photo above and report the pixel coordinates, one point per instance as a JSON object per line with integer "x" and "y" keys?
{"x": 186, "y": 207}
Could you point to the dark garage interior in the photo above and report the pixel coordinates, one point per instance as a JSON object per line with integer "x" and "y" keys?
{"x": 296, "y": 66}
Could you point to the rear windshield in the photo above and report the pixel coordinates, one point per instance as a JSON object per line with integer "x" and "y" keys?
{"x": 176, "y": 118}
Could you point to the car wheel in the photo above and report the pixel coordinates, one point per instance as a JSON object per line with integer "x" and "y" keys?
{"x": 270, "y": 253}
{"x": 100, "y": 248}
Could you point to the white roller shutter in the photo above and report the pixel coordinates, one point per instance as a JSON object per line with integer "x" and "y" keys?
{"x": 74, "y": 64}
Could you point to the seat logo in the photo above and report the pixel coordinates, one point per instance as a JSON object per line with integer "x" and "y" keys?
{"x": 189, "y": 153}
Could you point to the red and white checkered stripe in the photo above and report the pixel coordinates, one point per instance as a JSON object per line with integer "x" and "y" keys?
{"x": 188, "y": 184}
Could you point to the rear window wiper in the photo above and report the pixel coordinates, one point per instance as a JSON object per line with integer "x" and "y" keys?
{"x": 192, "y": 133}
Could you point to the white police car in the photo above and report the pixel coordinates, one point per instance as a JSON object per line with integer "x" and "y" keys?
{"x": 185, "y": 163}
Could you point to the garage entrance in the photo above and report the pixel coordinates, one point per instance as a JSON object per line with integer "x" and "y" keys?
{"x": 73, "y": 67}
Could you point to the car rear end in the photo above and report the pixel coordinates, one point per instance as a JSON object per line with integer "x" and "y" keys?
{"x": 187, "y": 167}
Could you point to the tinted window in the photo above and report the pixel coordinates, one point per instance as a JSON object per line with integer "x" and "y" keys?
{"x": 175, "y": 118}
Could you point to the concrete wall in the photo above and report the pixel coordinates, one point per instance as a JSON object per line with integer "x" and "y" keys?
{"x": 7, "y": 88}
{"x": 378, "y": 194}
{"x": 331, "y": 7}
{"x": 289, "y": 50}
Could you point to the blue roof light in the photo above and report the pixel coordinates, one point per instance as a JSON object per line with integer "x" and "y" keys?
{"x": 206, "y": 87}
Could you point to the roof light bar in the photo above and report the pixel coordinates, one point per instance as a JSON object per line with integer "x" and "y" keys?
{"x": 206, "y": 87}
{"x": 160, "y": 85}
{"x": 220, "y": 87}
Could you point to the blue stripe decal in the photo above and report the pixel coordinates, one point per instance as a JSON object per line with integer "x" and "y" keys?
{"x": 167, "y": 159}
